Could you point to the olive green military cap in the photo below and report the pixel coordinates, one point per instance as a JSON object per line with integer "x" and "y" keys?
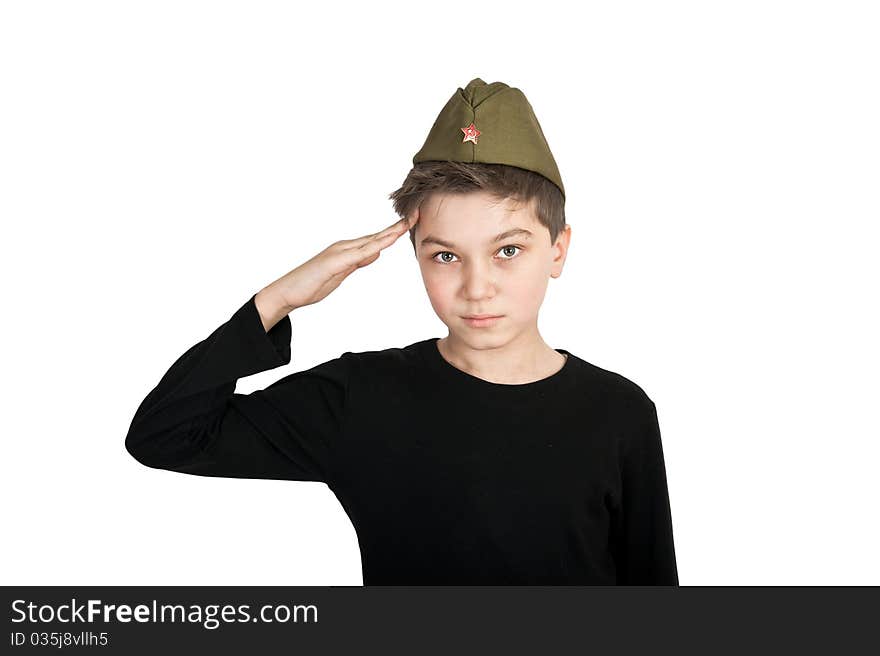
{"x": 493, "y": 124}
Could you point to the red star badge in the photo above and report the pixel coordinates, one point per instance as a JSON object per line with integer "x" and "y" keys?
{"x": 470, "y": 133}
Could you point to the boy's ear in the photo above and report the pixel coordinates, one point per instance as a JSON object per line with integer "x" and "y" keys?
{"x": 564, "y": 236}
{"x": 561, "y": 247}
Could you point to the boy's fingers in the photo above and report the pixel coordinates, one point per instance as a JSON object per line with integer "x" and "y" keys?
{"x": 413, "y": 218}
{"x": 375, "y": 244}
{"x": 394, "y": 228}
{"x": 397, "y": 228}
{"x": 358, "y": 249}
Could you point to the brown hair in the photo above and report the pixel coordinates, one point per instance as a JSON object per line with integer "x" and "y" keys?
{"x": 500, "y": 180}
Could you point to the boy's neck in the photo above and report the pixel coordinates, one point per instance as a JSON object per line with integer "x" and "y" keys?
{"x": 517, "y": 362}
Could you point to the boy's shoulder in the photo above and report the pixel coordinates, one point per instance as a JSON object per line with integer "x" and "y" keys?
{"x": 612, "y": 382}
{"x": 391, "y": 359}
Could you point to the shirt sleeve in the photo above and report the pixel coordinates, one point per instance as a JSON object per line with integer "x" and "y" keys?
{"x": 193, "y": 421}
{"x": 646, "y": 550}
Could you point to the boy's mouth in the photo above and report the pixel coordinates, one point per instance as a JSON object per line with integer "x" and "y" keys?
{"x": 482, "y": 321}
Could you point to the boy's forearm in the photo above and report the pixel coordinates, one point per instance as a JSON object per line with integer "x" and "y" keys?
{"x": 270, "y": 306}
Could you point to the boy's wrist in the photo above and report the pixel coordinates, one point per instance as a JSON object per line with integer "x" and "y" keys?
{"x": 271, "y": 307}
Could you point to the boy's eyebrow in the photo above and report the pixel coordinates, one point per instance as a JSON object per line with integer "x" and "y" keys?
{"x": 515, "y": 232}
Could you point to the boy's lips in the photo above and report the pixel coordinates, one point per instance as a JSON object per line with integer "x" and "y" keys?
{"x": 484, "y": 322}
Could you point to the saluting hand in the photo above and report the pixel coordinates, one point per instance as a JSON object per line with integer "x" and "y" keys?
{"x": 314, "y": 279}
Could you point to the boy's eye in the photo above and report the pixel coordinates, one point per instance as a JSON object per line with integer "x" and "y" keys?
{"x": 504, "y": 249}
{"x": 443, "y": 261}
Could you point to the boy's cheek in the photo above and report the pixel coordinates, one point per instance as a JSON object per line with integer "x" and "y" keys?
{"x": 437, "y": 284}
{"x": 440, "y": 301}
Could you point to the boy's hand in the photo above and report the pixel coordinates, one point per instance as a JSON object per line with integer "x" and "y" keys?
{"x": 313, "y": 280}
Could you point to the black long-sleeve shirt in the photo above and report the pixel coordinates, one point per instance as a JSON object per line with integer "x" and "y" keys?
{"x": 447, "y": 478}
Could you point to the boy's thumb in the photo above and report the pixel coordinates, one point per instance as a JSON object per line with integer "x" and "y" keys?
{"x": 369, "y": 260}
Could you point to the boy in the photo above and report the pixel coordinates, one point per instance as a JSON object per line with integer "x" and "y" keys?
{"x": 485, "y": 457}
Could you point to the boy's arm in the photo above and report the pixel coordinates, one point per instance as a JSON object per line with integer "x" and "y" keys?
{"x": 646, "y": 550}
{"x": 193, "y": 422}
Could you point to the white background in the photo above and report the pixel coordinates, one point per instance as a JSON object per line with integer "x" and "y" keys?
{"x": 162, "y": 161}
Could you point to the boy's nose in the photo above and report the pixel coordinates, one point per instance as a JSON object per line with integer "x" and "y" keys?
{"x": 478, "y": 283}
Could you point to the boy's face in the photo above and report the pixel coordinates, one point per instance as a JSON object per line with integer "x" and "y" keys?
{"x": 467, "y": 271}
